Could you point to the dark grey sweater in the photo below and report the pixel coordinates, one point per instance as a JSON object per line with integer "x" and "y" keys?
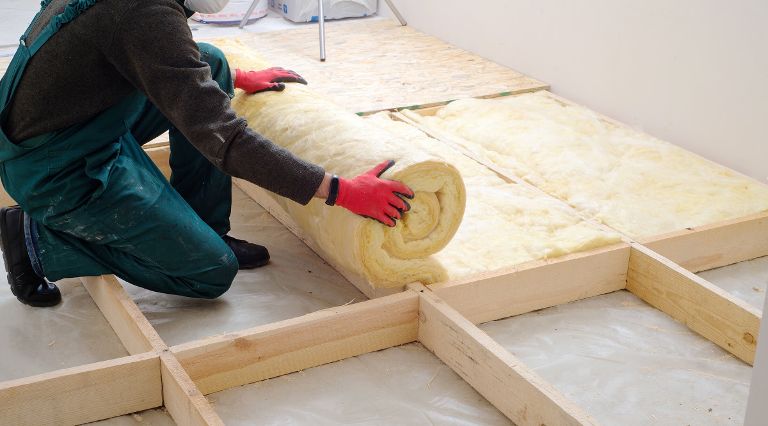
{"x": 118, "y": 46}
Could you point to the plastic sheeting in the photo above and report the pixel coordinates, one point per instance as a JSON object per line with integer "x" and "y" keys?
{"x": 295, "y": 282}
{"x": 405, "y": 385}
{"x": 39, "y": 340}
{"x": 155, "y": 417}
{"x": 746, "y": 280}
{"x": 627, "y": 363}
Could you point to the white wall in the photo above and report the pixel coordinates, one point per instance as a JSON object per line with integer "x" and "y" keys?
{"x": 693, "y": 72}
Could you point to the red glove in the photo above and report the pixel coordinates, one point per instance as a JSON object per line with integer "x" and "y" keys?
{"x": 373, "y": 197}
{"x": 264, "y": 80}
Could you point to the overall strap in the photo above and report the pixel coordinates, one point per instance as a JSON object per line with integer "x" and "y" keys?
{"x": 73, "y": 9}
{"x": 43, "y": 5}
{"x": 13, "y": 74}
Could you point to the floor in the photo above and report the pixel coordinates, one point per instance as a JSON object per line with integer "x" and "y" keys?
{"x": 598, "y": 351}
{"x": 412, "y": 387}
{"x": 746, "y": 280}
{"x": 36, "y": 341}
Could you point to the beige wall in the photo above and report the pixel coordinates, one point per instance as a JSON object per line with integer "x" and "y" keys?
{"x": 694, "y": 73}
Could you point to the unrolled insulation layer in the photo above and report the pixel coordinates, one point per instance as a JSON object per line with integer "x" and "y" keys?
{"x": 635, "y": 183}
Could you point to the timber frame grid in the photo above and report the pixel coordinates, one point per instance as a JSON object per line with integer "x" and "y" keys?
{"x": 442, "y": 317}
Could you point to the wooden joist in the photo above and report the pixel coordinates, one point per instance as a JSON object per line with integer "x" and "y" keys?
{"x": 129, "y": 323}
{"x": 182, "y": 398}
{"x": 236, "y": 359}
{"x": 712, "y": 246}
{"x": 537, "y": 285}
{"x": 160, "y": 153}
{"x": 83, "y": 394}
{"x": 704, "y": 308}
{"x": 513, "y": 388}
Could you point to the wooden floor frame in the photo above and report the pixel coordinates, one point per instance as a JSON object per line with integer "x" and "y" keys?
{"x": 443, "y": 317}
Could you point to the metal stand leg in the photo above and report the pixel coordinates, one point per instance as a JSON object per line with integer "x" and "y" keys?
{"x": 396, "y": 12}
{"x": 321, "y": 21}
{"x": 248, "y": 14}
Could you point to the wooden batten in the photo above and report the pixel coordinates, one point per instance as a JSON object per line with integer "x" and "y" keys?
{"x": 160, "y": 153}
{"x": 83, "y": 394}
{"x": 129, "y": 323}
{"x": 184, "y": 402}
{"x": 705, "y": 308}
{"x": 236, "y": 359}
{"x": 716, "y": 245}
{"x": 513, "y": 388}
{"x": 5, "y": 199}
{"x": 537, "y": 285}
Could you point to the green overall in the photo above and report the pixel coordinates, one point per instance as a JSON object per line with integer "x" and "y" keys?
{"x": 99, "y": 205}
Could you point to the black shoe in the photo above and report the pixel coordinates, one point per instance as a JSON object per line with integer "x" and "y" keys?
{"x": 248, "y": 255}
{"x": 26, "y": 285}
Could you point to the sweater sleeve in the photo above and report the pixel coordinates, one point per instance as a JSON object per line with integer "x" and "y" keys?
{"x": 153, "y": 49}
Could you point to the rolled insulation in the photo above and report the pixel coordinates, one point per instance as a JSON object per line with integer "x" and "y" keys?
{"x": 319, "y": 131}
{"x": 505, "y": 224}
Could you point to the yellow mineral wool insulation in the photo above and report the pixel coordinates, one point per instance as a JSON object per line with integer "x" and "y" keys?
{"x": 321, "y": 132}
{"x": 630, "y": 181}
{"x": 505, "y": 224}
